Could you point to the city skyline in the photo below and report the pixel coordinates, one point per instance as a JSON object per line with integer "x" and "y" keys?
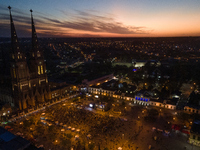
{"x": 103, "y": 18}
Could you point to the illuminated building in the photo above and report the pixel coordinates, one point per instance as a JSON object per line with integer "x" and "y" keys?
{"x": 26, "y": 84}
{"x": 140, "y": 100}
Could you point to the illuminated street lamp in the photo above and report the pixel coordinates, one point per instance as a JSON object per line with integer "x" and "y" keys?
{"x": 119, "y": 148}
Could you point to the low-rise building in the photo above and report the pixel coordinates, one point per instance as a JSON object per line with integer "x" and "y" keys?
{"x": 138, "y": 99}
{"x": 192, "y": 109}
{"x": 97, "y": 81}
{"x": 195, "y": 133}
{"x": 9, "y": 141}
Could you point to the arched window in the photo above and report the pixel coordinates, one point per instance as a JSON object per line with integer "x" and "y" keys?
{"x": 14, "y": 73}
{"x": 39, "y": 70}
{"x": 38, "y": 54}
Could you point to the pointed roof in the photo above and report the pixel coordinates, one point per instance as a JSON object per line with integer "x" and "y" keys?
{"x": 34, "y": 35}
{"x": 14, "y": 39}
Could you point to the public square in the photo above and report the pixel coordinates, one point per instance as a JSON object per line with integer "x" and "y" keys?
{"x": 69, "y": 124}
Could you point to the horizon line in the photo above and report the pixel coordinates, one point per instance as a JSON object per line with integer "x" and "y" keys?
{"x": 114, "y": 37}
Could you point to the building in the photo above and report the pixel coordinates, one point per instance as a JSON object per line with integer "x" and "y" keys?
{"x": 192, "y": 109}
{"x": 138, "y": 99}
{"x": 9, "y": 141}
{"x": 195, "y": 133}
{"x": 25, "y": 84}
{"x": 97, "y": 81}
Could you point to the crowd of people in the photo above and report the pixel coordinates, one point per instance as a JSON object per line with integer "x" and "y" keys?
{"x": 97, "y": 127}
{"x": 106, "y": 130}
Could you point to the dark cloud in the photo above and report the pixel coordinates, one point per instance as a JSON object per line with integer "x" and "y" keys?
{"x": 51, "y": 20}
{"x": 89, "y": 21}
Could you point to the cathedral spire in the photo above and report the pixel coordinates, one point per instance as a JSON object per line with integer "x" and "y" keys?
{"x": 14, "y": 39}
{"x": 34, "y": 36}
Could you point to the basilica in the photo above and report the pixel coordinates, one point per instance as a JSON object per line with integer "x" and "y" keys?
{"x": 24, "y": 83}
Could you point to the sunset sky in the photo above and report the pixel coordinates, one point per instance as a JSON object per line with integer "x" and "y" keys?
{"x": 102, "y": 18}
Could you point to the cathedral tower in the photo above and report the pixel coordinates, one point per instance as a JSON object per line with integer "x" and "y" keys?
{"x": 39, "y": 82}
{"x": 19, "y": 70}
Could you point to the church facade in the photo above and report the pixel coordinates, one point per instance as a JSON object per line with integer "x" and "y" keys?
{"x": 27, "y": 83}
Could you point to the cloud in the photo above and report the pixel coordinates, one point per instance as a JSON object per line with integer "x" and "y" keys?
{"x": 87, "y": 21}
{"x": 51, "y": 20}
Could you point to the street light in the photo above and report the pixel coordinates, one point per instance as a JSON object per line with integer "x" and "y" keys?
{"x": 122, "y": 136}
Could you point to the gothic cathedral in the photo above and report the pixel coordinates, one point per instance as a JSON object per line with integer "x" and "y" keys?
{"x": 29, "y": 80}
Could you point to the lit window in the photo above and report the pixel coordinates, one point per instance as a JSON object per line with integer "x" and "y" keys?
{"x": 33, "y": 54}
{"x": 41, "y": 69}
{"x": 14, "y": 73}
{"x": 13, "y": 57}
{"x": 38, "y": 54}
{"x": 38, "y": 69}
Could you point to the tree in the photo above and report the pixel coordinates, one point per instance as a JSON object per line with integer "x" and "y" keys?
{"x": 153, "y": 112}
{"x": 39, "y": 129}
{"x": 51, "y": 128}
{"x": 66, "y": 142}
{"x": 26, "y": 124}
{"x": 79, "y": 146}
{"x": 123, "y": 103}
{"x": 184, "y": 117}
{"x": 91, "y": 146}
{"x": 69, "y": 136}
{"x": 32, "y": 120}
